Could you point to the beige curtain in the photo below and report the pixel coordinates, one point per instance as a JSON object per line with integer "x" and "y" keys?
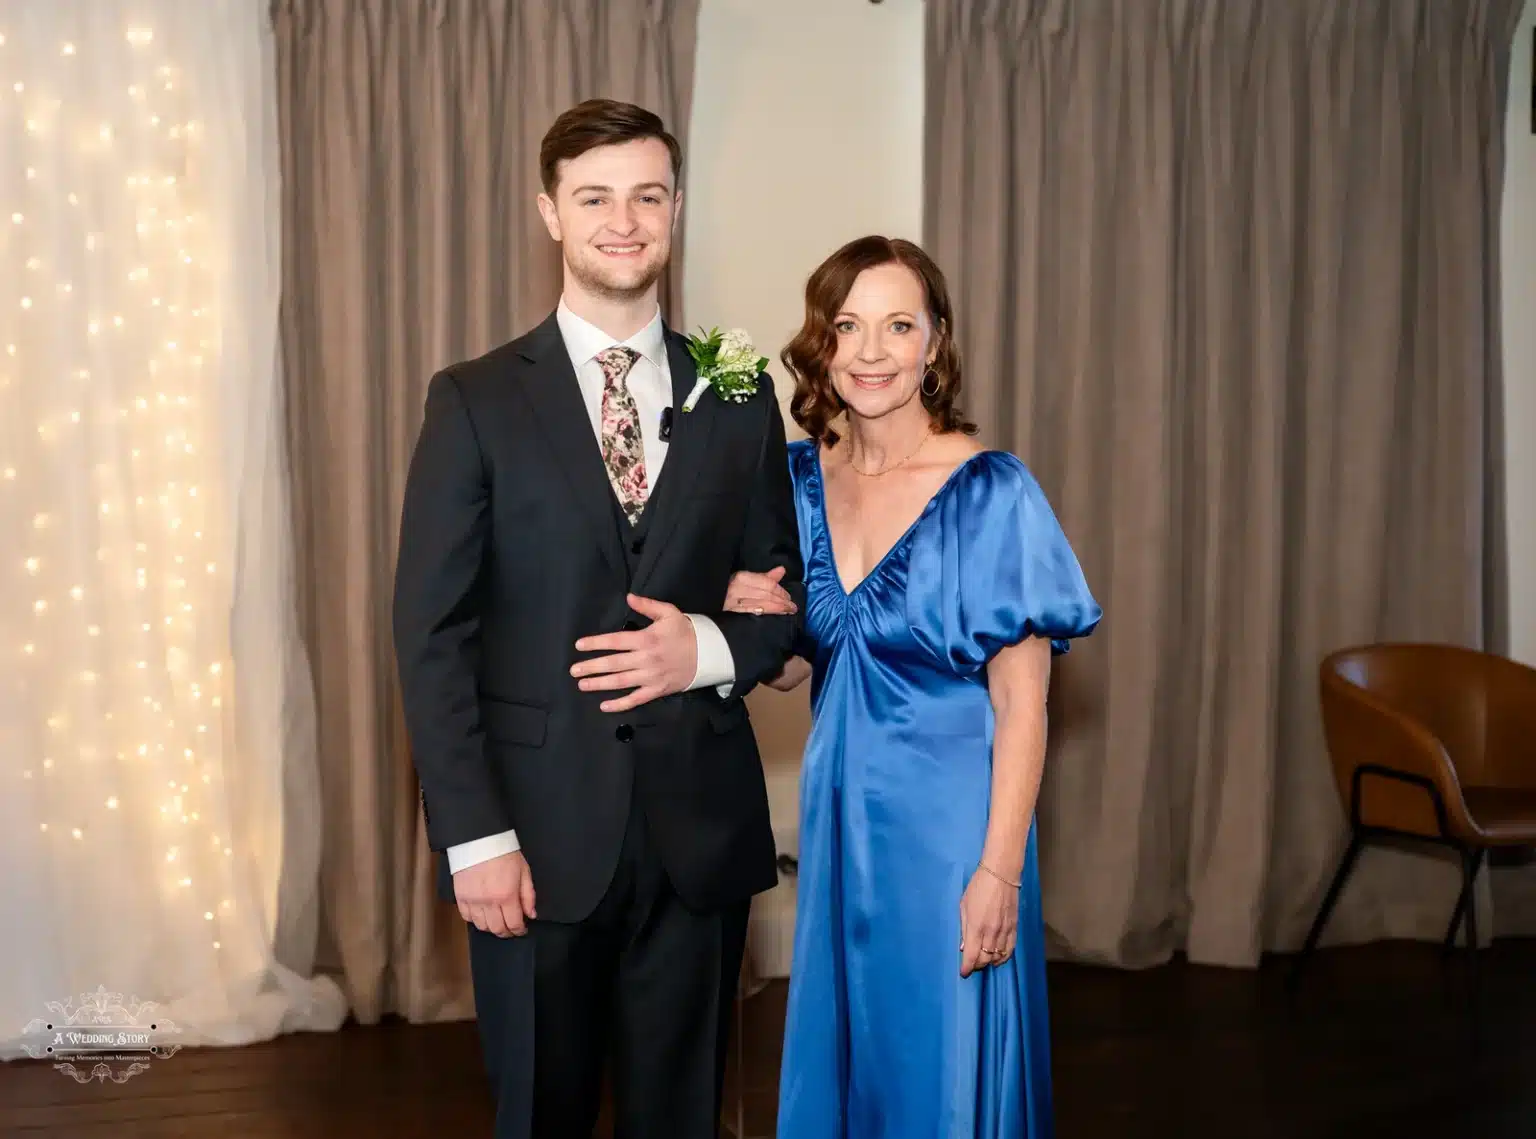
{"x": 1226, "y": 276}
{"x": 410, "y": 136}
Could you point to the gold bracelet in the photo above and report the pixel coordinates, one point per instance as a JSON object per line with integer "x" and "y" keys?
{"x": 998, "y": 876}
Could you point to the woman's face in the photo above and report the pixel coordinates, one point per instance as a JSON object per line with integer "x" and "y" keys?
{"x": 885, "y": 343}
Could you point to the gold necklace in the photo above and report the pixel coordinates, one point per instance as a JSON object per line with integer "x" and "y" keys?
{"x": 876, "y": 474}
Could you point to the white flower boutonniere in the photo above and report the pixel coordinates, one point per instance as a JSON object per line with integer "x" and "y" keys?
{"x": 727, "y": 362}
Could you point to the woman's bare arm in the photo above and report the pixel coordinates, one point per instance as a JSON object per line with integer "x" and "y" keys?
{"x": 1017, "y": 678}
{"x": 989, "y": 911}
{"x": 796, "y": 671}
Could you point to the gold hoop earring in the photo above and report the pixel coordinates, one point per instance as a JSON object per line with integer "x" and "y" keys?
{"x": 924, "y": 386}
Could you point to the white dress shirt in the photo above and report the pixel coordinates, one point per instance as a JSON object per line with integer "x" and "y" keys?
{"x": 650, "y": 385}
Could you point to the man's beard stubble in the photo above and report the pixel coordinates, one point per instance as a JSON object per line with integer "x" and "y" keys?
{"x": 593, "y": 281}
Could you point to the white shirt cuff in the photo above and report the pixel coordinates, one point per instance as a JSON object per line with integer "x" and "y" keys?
{"x": 481, "y": 850}
{"x": 715, "y": 667}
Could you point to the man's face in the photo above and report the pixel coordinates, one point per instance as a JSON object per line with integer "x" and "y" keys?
{"x": 613, "y": 211}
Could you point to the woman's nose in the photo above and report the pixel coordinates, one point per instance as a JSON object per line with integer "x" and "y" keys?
{"x": 871, "y": 348}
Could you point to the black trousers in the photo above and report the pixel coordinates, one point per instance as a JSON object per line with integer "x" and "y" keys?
{"x": 644, "y": 983}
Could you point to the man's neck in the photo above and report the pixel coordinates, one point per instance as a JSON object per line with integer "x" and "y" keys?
{"x": 619, "y": 317}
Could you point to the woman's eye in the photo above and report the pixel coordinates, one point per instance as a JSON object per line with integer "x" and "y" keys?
{"x": 901, "y": 326}
{"x": 844, "y": 326}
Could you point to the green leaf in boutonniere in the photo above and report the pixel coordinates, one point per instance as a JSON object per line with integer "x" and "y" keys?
{"x": 727, "y": 362}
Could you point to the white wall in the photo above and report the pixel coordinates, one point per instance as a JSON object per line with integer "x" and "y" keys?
{"x": 1519, "y": 287}
{"x": 806, "y": 132}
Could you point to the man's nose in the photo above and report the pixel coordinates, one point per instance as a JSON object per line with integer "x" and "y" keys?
{"x": 622, "y": 221}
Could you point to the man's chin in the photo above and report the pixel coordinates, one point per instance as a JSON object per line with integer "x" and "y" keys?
{"x": 619, "y": 285}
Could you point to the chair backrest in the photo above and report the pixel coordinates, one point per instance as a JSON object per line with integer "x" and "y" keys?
{"x": 1444, "y": 687}
{"x": 1420, "y": 709}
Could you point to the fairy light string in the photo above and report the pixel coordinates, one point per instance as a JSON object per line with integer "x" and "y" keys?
{"x": 109, "y": 466}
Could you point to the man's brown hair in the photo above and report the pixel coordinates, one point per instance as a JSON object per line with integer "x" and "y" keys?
{"x": 600, "y": 122}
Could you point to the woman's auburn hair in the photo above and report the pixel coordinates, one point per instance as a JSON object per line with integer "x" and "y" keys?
{"x": 808, "y": 356}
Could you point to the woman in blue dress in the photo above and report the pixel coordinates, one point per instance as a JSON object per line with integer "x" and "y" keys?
{"x": 939, "y": 584}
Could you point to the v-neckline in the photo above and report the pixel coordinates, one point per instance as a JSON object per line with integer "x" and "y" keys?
{"x": 826, "y": 522}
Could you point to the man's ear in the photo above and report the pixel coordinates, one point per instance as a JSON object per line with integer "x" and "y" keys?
{"x": 677, "y": 208}
{"x": 551, "y": 217}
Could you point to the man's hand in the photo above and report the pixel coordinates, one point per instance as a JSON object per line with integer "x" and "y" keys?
{"x": 655, "y": 661}
{"x": 496, "y": 895}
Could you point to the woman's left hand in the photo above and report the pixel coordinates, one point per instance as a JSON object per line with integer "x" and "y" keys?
{"x": 989, "y": 918}
{"x": 758, "y": 593}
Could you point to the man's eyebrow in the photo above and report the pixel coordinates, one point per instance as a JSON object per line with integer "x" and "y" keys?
{"x": 609, "y": 189}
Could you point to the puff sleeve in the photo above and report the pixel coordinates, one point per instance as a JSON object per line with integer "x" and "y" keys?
{"x": 992, "y": 566}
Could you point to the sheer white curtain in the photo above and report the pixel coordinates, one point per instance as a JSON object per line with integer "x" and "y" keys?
{"x": 158, "y": 790}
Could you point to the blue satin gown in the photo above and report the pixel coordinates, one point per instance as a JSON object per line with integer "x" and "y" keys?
{"x": 884, "y": 1039}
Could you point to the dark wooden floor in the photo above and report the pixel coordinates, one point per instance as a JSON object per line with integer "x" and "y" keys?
{"x": 1377, "y": 1042}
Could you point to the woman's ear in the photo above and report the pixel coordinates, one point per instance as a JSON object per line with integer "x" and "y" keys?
{"x": 940, "y": 331}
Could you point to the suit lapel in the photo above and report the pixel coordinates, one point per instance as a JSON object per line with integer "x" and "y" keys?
{"x": 691, "y": 432}
{"x": 549, "y": 383}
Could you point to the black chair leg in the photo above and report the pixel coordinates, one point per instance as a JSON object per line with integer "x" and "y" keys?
{"x": 1455, "y": 927}
{"x": 1470, "y": 863}
{"x": 1330, "y": 899}
{"x": 1463, "y": 898}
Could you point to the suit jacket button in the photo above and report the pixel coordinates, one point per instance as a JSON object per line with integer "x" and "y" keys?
{"x": 624, "y": 733}
{"x": 636, "y": 546}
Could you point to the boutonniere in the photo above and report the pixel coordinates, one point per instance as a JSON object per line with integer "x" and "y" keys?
{"x": 727, "y": 362}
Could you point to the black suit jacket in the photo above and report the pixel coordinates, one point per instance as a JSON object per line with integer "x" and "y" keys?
{"x": 511, "y": 548}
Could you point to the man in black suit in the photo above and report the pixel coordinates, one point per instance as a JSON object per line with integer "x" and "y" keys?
{"x": 572, "y": 689}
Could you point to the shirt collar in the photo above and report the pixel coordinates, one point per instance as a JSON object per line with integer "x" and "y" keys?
{"x": 585, "y": 340}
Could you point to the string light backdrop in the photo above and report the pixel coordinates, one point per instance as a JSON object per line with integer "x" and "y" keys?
{"x": 142, "y": 826}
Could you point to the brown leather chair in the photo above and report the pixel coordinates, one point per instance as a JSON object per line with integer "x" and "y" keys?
{"x": 1435, "y": 743}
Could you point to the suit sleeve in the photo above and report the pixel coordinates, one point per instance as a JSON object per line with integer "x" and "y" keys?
{"x": 760, "y": 645}
{"x": 444, "y": 528}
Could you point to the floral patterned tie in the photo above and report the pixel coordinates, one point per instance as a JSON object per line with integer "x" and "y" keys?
{"x": 623, "y": 447}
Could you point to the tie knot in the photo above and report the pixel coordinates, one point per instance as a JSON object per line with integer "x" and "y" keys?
{"x": 616, "y": 363}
